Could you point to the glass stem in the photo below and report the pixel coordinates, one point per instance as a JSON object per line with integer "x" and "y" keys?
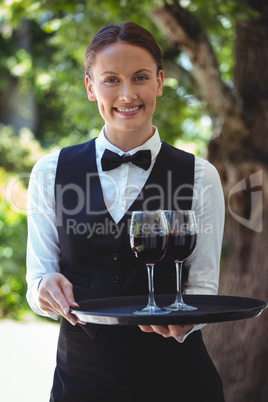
{"x": 150, "y": 272}
{"x": 179, "y": 298}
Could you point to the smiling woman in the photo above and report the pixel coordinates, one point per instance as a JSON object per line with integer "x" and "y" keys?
{"x": 124, "y": 73}
{"x": 78, "y": 245}
{"x": 125, "y": 82}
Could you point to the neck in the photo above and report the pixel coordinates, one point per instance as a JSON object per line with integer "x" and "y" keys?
{"x": 128, "y": 140}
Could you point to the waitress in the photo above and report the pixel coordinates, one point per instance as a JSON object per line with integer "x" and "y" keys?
{"x": 80, "y": 202}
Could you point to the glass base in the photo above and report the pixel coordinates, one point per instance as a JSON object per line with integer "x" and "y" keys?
{"x": 152, "y": 310}
{"x": 180, "y": 306}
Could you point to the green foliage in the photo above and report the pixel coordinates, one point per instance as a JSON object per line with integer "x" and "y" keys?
{"x": 51, "y": 64}
{"x": 12, "y": 259}
{"x": 17, "y": 156}
{"x": 18, "y": 153}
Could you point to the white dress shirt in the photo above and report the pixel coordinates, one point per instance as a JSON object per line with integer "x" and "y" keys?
{"x": 121, "y": 187}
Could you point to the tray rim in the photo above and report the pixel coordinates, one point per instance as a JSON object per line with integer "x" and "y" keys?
{"x": 96, "y": 317}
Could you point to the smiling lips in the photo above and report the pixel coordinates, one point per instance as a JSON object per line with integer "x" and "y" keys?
{"x": 130, "y": 111}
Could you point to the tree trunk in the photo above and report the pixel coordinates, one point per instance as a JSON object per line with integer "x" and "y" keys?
{"x": 239, "y": 151}
{"x": 240, "y": 349}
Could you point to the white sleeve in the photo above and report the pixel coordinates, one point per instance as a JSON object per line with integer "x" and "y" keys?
{"x": 43, "y": 251}
{"x": 208, "y": 203}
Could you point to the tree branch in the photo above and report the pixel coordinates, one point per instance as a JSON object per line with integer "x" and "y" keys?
{"x": 188, "y": 35}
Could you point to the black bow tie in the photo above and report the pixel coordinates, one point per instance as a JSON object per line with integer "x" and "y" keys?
{"x": 110, "y": 160}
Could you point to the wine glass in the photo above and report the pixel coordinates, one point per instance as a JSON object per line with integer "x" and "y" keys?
{"x": 181, "y": 243}
{"x": 148, "y": 240}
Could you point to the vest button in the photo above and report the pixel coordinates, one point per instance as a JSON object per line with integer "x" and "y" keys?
{"x": 115, "y": 256}
{"x": 115, "y": 232}
{"x": 115, "y": 279}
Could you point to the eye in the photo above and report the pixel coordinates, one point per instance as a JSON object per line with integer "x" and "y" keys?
{"x": 141, "y": 78}
{"x": 111, "y": 80}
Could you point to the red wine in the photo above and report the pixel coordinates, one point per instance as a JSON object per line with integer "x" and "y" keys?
{"x": 151, "y": 248}
{"x": 180, "y": 245}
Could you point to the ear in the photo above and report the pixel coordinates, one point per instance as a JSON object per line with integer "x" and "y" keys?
{"x": 89, "y": 88}
{"x": 160, "y": 82}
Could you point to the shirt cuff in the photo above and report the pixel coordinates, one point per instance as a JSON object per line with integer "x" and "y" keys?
{"x": 182, "y": 338}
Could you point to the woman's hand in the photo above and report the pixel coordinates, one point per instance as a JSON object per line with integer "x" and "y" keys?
{"x": 167, "y": 331}
{"x": 56, "y": 296}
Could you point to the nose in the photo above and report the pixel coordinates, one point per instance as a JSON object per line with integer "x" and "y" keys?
{"x": 128, "y": 93}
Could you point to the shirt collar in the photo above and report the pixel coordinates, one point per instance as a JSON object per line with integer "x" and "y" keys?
{"x": 153, "y": 144}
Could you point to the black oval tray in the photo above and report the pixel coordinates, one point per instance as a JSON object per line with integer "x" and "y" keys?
{"x": 119, "y": 310}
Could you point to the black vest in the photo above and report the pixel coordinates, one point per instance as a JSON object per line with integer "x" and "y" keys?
{"x": 95, "y": 251}
{"x": 109, "y": 362}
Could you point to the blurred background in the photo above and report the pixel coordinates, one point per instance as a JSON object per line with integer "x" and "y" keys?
{"x": 215, "y": 104}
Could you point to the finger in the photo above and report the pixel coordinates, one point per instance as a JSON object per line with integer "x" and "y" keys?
{"x": 59, "y": 298}
{"x": 47, "y": 303}
{"x": 146, "y": 328}
{"x": 161, "y": 330}
{"x": 188, "y": 327}
{"x": 67, "y": 290}
{"x": 82, "y": 322}
{"x": 177, "y": 330}
{"x": 180, "y": 330}
{"x": 71, "y": 318}
{"x": 67, "y": 299}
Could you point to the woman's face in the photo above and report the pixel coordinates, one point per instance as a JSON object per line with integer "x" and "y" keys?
{"x": 125, "y": 83}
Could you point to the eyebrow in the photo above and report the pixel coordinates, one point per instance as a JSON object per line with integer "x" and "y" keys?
{"x": 136, "y": 72}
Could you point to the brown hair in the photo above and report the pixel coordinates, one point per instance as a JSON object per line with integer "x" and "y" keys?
{"x": 128, "y": 32}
